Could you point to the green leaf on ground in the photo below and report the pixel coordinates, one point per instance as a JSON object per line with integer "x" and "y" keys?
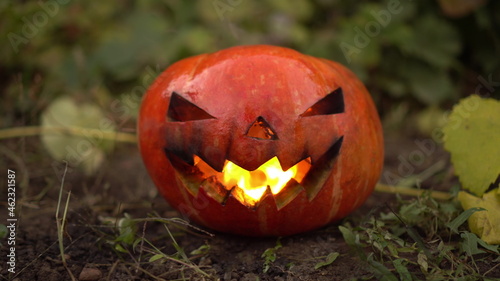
{"x": 422, "y": 262}
{"x": 269, "y": 255}
{"x": 329, "y": 260}
{"x": 202, "y": 250}
{"x": 86, "y": 152}
{"x": 471, "y": 136}
{"x": 401, "y": 266}
{"x": 348, "y": 235}
{"x": 156, "y": 257}
{"x": 471, "y": 244}
{"x": 465, "y": 215}
{"x": 382, "y": 272}
{"x": 127, "y": 229}
{"x": 485, "y": 224}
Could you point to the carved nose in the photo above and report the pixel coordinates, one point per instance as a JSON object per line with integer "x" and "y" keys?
{"x": 260, "y": 129}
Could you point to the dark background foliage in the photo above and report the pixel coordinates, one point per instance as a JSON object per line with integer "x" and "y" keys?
{"x": 419, "y": 53}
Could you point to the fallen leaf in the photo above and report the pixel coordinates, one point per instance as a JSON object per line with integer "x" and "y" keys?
{"x": 87, "y": 151}
{"x": 329, "y": 260}
{"x": 485, "y": 224}
{"x": 471, "y": 244}
{"x": 471, "y": 135}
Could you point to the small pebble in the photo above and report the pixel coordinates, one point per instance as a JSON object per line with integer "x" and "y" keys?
{"x": 90, "y": 274}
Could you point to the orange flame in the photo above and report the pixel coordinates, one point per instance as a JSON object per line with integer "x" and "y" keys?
{"x": 250, "y": 186}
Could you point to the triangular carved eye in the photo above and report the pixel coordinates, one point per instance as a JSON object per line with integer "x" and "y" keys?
{"x": 333, "y": 103}
{"x": 182, "y": 110}
{"x": 260, "y": 129}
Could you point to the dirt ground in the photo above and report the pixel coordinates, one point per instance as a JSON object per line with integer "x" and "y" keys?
{"x": 122, "y": 186}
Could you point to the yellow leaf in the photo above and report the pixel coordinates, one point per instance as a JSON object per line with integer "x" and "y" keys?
{"x": 485, "y": 224}
{"x": 471, "y": 136}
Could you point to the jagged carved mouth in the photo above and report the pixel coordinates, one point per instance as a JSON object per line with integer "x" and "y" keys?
{"x": 250, "y": 187}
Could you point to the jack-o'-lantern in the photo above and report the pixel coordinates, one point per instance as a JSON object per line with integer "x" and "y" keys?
{"x": 261, "y": 140}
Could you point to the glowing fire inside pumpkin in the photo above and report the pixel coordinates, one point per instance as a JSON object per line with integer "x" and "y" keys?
{"x": 249, "y": 186}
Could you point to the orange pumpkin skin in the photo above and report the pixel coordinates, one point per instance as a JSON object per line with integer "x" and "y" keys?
{"x": 236, "y": 86}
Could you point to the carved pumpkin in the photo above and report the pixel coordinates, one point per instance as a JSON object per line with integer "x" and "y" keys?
{"x": 261, "y": 140}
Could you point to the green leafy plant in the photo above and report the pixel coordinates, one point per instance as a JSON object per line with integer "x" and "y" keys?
{"x": 401, "y": 240}
{"x": 126, "y": 239}
{"x": 269, "y": 255}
